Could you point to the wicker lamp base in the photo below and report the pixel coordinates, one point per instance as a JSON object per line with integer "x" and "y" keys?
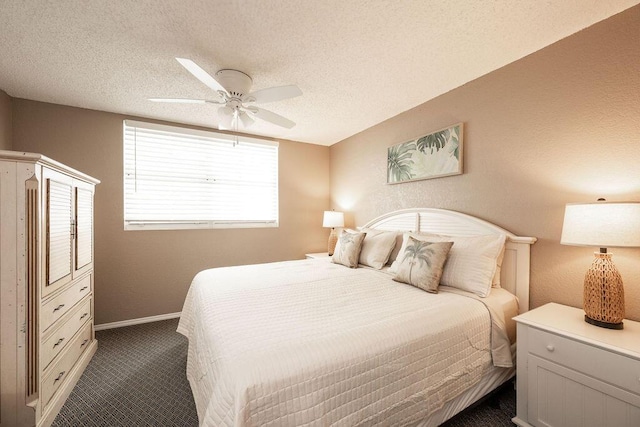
{"x": 333, "y": 240}
{"x": 603, "y": 293}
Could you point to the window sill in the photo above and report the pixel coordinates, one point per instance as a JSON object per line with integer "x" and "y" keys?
{"x": 196, "y": 225}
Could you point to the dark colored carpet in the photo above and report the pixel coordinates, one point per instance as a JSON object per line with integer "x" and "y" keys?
{"x": 137, "y": 378}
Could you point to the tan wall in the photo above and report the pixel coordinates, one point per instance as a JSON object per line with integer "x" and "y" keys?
{"x": 5, "y": 121}
{"x": 146, "y": 273}
{"x": 561, "y": 125}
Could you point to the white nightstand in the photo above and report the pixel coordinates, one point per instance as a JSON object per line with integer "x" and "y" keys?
{"x": 571, "y": 373}
{"x": 318, "y": 255}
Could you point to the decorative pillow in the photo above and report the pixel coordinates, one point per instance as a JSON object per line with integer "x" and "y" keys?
{"x": 347, "y": 250}
{"x": 403, "y": 246}
{"x": 377, "y": 247}
{"x": 472, "y": 262}
{"x": 421, "y": 263}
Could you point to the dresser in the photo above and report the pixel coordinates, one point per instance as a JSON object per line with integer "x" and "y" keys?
{"x": 571, "y": 373}
{"x": 46, "y": 285}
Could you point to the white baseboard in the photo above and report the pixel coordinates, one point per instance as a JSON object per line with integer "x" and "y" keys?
{"x": 138, "y": 321}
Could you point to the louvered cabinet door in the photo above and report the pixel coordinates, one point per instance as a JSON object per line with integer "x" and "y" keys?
{"x": 84, "y": 228}
{"x": 59, "y": 227}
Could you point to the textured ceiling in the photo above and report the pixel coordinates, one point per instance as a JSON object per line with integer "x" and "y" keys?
{"x": 358, "y": 62}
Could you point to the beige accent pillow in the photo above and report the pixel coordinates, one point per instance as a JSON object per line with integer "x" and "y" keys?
{"x": 377, "y": 247}
{"x": 397, "y": 247}
{"x": 472, "y": 262}
{"x": 421, "y": 263}
{"x": 347, "y": 250}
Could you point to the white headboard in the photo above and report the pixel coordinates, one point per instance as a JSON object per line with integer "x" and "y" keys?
{"x": 515, "y": 266}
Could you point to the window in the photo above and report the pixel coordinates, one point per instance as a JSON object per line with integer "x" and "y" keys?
{"x": 182, "y": 178}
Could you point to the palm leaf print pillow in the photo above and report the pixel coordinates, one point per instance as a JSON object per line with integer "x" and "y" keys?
{"x": 421, "y": 264}
{"x": 348, "y": 249}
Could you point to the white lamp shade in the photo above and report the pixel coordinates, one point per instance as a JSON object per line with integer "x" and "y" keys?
{"x": 333, "y": 219}
{"x": 602, "y": 224}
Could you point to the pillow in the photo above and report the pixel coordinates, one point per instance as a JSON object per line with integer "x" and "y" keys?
{"x": 472, "y": 262}
{"x": 403, "y": 246}
{"x": 397, "y": 247}
{"x": 495, "y": 283}
{"x": 347, "y": 250}
{"x": 421, "y": 263}
{"x": 377, "y": 247}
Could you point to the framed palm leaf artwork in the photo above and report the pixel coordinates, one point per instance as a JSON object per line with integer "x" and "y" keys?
{"x": 433, "y": 155}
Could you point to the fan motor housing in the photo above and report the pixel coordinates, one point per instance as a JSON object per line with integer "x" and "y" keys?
{"x": 235, "y": 82}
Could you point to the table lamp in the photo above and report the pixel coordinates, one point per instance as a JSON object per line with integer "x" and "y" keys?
{"x": 332, "y": 219}
{"x": 602, "y": 224}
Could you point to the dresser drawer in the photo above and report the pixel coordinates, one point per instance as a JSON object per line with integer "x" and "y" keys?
{"x": 60, "y": 369}
{"x": 612, "y": 368}
{"x": 56, "y": 307}
{"x": 59, "y": 339}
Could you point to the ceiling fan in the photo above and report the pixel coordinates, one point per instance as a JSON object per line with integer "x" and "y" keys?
{"x": 231, "y": 89}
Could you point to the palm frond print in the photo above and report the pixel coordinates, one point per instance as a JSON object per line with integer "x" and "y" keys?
{"x": 399, "y": 162}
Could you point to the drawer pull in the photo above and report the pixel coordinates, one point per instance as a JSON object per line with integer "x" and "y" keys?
{"x": 60, "y": 375}
{"x": 58, "y": 308}
{"x": 550, "y": 348}
{"x": 84, "y": 315}
{"x": 84, "y": 342}
{"x": 83, "y": 288}
{"x": 59, "y": 342}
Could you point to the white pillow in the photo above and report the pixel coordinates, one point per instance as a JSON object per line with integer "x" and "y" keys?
{"x": 472, "y": 262}
{"x": 396, "y": 248}
{"x": 377, "y": 247}
{"x": 495, "y": 282}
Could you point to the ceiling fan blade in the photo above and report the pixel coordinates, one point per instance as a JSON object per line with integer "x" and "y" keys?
{"x": 273, "y": 94}
{"x": 245, "y": 119}
{"x": 184, "y": 100}
{"x": 271, "y": 117}
{"x": 201, "y": 74}
{"x": 225, "y": 118}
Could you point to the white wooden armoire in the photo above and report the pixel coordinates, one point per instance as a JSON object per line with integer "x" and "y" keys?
{"x": 46, "y": 293}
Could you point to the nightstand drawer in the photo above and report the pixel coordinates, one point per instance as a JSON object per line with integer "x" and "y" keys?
{"x": 615, "y": 369}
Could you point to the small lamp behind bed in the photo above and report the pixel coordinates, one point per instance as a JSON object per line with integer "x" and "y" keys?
{"x": 332, "y": 219}
{"x": 602, "y": 224}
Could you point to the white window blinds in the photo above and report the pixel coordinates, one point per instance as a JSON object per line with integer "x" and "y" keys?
{"x": 183, "y": 178}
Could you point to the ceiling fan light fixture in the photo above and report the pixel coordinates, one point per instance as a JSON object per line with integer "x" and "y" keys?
{"x": 226, "y": 110}
{"x": 246, "y": 119}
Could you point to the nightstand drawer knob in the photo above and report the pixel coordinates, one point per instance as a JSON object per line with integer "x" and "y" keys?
{"x": 550, "y": 347}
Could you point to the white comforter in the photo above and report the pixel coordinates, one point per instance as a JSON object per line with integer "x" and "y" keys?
{"x": 313, "y": 343}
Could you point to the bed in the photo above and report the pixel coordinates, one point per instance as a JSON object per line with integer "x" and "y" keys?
{"x": 311, "y": 342}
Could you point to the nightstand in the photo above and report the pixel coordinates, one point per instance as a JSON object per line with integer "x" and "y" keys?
{"x": 319, "y": 255}
{"x": 571, "y": 373}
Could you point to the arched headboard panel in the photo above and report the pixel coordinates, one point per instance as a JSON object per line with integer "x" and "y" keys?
{"x": 516, "y": 263}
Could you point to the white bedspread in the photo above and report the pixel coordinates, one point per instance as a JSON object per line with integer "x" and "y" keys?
{"x": 313, "y": 343}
